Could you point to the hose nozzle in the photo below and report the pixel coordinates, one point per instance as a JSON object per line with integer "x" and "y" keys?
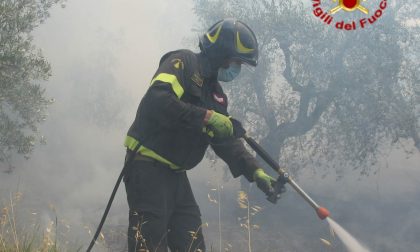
{"x": 322, "y": 212}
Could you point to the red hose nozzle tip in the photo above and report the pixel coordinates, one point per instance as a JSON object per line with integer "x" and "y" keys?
{"x": 322, "y": 213}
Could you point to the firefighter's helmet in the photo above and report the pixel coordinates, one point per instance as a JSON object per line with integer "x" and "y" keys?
{"x": 230, "y": 39}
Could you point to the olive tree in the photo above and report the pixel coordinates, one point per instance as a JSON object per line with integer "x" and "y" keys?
{"x": 321, "y": 97}
{"x": 23, "y": 68}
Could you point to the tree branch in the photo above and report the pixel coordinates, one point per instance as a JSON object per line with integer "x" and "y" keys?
{"x": 265, "y": 110}
{"x": 288, "y": 70}
{"x": 304, "y": 122}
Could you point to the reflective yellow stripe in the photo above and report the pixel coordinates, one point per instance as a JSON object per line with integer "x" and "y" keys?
{"x": 131, "y": 144}
{"x": 149, "y": 153}
{"x": 171, "y": 79}
{"x": 241, "y": 48}
{"x": 214, "y": 38}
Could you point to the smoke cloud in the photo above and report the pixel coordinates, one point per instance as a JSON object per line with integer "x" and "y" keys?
{"x": 103, "y": 54}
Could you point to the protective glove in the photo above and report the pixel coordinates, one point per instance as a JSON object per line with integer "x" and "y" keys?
{"x": 238, "y": 129}
{"x": 264, "y": 181}
{"x": 220, "y": 124}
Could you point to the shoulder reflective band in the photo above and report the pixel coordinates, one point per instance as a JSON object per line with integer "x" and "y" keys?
{"x": 131, "y": 143}
{"x": 171, "y": 79}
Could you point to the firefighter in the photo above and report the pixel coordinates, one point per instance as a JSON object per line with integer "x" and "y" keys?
{"x": 182, "y": 111}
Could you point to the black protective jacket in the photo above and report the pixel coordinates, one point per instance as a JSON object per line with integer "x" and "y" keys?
{"x": 169, "y": 119}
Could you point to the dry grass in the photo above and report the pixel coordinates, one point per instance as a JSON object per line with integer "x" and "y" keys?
{"x": 244, "y": 203}
{"x": 25, "y": 233}
{"x": 21, "y": 230}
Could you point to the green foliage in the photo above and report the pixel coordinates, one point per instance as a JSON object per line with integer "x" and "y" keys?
{"x": 322, "y": 97}
{"x": 22, "y": 69}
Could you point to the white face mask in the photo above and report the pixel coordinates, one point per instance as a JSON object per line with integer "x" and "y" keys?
{"x": 230, "y": 73}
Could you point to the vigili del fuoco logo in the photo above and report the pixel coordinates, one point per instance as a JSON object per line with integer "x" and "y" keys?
{"x": 328, "y": 14}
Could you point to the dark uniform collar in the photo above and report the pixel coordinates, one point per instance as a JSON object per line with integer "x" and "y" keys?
{"x": 205, "y": 67}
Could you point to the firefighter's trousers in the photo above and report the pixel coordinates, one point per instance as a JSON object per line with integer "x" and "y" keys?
{"x": 163, "y": 212}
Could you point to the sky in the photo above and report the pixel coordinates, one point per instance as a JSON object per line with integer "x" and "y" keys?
{"x": 103, "y": 54}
